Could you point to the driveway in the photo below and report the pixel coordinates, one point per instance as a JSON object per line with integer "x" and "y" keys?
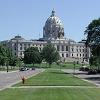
{"x": 95, "y": 79}
{"x": 10, "y": 78}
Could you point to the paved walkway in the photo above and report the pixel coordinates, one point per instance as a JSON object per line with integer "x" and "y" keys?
{"x": 10, "y": 78}
{"x": 54, "y": 87}
{"x": 95, "y": 79}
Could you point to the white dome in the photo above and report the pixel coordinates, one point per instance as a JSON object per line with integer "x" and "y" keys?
{"x": 53, "y": 27}
{"x": 54, "y": 20}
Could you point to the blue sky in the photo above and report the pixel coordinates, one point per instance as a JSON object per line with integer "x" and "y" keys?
{"x": 27, "y": 17}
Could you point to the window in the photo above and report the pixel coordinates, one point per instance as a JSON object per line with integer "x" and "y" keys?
{"x": 21, "y": 48}
{"x": 25, "y": 48}
{"x": 62, "y": 55}
{"x": 21, "y": 53}
{"x": 62, "y": 48}
{"x": 77, "y": 55}
{"x": 83, "y": 55}
{"x": 28, "y": 45}
{"x": 86, "y": 50}
{"x": 66, "y": 55}
{"x": 57, "y": 47}
{"x": 20, "y": 44}
{"x": 80, "y": 50}
{"x": 80, "y": 55}
{"x": 24, "y": 45}
{"x": 15, "y": 46}
{"x": 72, "y": 49}
{"x": 66, "y": 48}
{"x": 77, "y": 50}
{"x": 72, "y": 55}
{"x": 83, "y": 50}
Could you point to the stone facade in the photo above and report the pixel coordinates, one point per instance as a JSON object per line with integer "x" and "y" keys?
{"x": 53, "y": 31}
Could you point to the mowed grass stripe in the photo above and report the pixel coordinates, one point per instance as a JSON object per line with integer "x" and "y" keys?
{"x": 54, "y": 77}
{"x": 51, "y": 94}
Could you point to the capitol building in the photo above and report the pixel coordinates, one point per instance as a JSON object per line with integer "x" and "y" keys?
{"x": 53, "y": 31}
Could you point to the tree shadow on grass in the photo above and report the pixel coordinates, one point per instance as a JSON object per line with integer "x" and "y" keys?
{"x": 59, "y": 72}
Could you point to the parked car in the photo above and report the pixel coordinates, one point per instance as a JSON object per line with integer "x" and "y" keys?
{"x": 84, "y": 68}
{"x": 24, "y": 69}
{"x": 92, "y": 71}
{"x": 33, "y": 68}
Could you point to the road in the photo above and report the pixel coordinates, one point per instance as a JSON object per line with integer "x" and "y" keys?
{"x": 95, "y": 79}
{"x": 10, "y": 78}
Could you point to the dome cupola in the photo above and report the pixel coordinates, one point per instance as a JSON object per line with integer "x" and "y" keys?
{"x": 53, "y": 27}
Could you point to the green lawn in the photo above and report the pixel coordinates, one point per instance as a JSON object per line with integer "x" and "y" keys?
{"x": 54, "y": 65}
{"x": 51, "y": 94}
{"x": 52, "y": 77}
{"x": 55, "y": 77}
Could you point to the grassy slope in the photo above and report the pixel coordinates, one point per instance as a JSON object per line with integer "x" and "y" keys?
{"x": 55, "y": 77}
{"x": 51, "y": 94}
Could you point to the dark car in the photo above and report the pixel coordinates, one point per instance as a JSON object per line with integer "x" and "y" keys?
{"x": 24, "y": 69}
{"x": 92, "y": 71}
{"x": 84, "y": 68}
{"x": 33, "y": 68}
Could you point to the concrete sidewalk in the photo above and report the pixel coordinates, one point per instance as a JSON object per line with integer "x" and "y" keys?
{"x": 53, "y": 87}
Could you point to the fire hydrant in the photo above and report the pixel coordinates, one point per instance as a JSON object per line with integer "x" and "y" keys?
{"x": 23, "y": 80}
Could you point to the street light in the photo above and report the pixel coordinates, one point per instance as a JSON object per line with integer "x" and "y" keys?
{"x": 7, "y": 63}
{"x": 74, "y": 67}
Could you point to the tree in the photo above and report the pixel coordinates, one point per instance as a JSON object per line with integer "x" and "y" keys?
{"x": 3, "y": 55}
{"x": 6, "y": 56}
{"x": 93, "y": 41}
{"x": 32, "y": 56}
{"x": 50, "y": 54}
{"x": 91, "y": 28}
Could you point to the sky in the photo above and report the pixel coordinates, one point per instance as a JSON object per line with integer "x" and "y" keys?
{"x": 27, "y": 17}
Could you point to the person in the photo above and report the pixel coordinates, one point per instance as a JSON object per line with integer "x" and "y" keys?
{"x": 23, "y": 80}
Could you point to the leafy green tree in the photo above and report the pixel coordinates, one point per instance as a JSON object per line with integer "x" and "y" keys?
{"x": 3, "y": 55}
{"x": 32, "y": 56}
{"x": 50, "y": 54}
{"x": 6, "y": 56}
{"x": 2, "y": 60}
{"x": 91, "y": 28}
{"x": 93, "y": 41}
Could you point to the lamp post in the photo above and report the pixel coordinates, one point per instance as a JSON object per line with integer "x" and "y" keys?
{"x": 74, "y": 68}
{"x": 7, "y": 64}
